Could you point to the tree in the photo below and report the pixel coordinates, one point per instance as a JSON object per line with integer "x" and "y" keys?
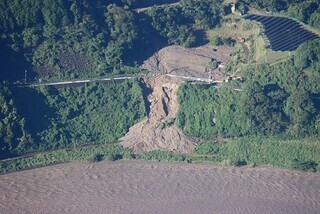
{"x": 121, "y": 24}
{"x": 263, "y": 106}
{"x": 308, "y": 54}
{"x": 77, "y": 13}
{"x": 216, "y": 41}
{"x": 13, "y": 137}
{"x": 173, "y": 25}
{"x": 205, "y": 14}
{"x": 314, "y": 19}
{"x": 55, "y": 16}
{"x": 300, "y": 109}
{"x": 302, "y": 11}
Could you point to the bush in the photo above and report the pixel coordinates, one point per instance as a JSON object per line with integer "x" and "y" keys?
{"x": 305, "y": 166}
{"x": 228, "y": 162}
{"x": 240, "y": 163}
{"x": 247, "y": 26}
{"x": 160, "y": 155}
{"x": 216, "y": 41}
{"x": 207, "y": 148}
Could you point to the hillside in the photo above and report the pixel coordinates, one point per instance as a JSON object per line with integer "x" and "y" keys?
{"x": 200, "y": 72}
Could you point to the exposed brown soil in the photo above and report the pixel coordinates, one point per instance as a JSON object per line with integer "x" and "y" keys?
{"x": 191, "y": 62}
{"x": 157, "y": 130}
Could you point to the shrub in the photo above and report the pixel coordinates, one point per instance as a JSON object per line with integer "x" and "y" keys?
{"x": 97, "y": 158}
{"x": 305, "y": 166}
{"x": 216, "y": 41}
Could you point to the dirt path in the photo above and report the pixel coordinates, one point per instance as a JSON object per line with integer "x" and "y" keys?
{"x": 246, "y": 52}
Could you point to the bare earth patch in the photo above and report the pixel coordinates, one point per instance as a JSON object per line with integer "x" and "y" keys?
{"x": 157, "y": 131}
{"x": 191, "y": 62}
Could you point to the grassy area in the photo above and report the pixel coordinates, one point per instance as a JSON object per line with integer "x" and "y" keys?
{"x": 260, "y": 49}
{"x": 233, "y": 27}
{"x": 293, "y": 154}
{"x": 93, "y": 154}
{"x": 260, "y": 54}
{"x": 275, "y": 57}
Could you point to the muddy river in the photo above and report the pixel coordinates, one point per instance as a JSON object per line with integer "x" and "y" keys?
{"x": 153, "y": 187}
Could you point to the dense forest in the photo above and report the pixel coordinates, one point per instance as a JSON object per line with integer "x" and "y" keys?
{"x": 282, "y": 99}
{"x": 79, "y": 38}
{"x": 48, "y": 118}
{"x": 71, "y": 39}
{"x": 75, "y": 39}
{"x": 65, "y": 40}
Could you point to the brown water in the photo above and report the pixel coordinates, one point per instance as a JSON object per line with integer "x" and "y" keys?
{"x": 152, "y": 187}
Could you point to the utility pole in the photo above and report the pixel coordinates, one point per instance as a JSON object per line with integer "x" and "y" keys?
{"x": 120, "y": 64}
{"x": 25, "y": 76}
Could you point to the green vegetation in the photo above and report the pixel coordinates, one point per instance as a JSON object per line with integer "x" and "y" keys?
{"x": 63, "y": 40}
{"x": 90, "y": 154}
{"x": 307, "y": 55}
{"x": 292, "y": 154}
{"x": 218, "y": 40}
{"x": 177, "y": 24}
{"x": 276, "y": 100}
{"x": 295, "y": 154}
{"x": 79, "y": 39}
{"x": 13, "y": 135}
{"x": 159, "y": 155}
{"x": 48, "y": 118}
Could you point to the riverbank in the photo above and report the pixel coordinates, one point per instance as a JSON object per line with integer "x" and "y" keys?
{"x": 303, "y": 154}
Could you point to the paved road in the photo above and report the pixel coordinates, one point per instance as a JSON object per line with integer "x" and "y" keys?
{"x": 80, "y": 81}
{"x": 140, "y": 10}
{"x": 197, "y": 79}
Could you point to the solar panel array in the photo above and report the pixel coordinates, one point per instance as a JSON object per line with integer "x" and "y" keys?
{"x": 282, "y": 34}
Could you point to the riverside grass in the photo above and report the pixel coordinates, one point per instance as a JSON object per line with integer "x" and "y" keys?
{"x": 303, "y": 154}
{"x": 92, "y": 154}
{"x": 292, "y": 154}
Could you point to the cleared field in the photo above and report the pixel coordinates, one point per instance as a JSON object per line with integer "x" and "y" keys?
{"x": 281, "y": 33}
{"x": 235, "y": 28}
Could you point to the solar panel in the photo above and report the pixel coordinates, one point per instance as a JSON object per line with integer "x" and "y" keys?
{"x": 281, "y": 33}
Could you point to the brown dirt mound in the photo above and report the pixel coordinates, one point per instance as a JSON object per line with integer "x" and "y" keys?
{"x": 191, "y": 62}
{"x": 157, "y": 131}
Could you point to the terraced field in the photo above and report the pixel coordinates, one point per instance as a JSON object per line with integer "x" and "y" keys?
{"x": 282, "y": 34}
